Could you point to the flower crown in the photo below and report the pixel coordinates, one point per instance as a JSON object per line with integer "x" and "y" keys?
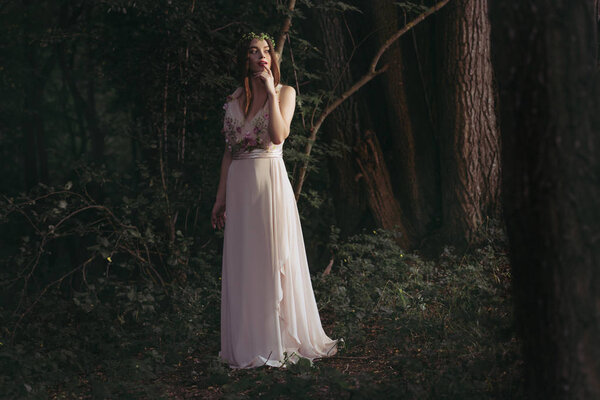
{"x": 260, "y": 36}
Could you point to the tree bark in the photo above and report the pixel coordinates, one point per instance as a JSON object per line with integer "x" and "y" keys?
{"x": 408, "y": 187}
{"x": 85, "y": 107}
{"x": 551, "y": 186}
{"x": 367, "y": 77}
{"x": 469, "y": 136}
{"x": 384, "y": 206}
{"x": 342, "y": 126}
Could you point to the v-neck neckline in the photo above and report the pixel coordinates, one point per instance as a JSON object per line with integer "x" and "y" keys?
{"x": 239, "y": 107}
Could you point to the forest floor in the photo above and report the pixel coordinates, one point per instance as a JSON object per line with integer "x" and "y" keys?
{"x": 414, "y": 327}
{"x": 460, "y": 343}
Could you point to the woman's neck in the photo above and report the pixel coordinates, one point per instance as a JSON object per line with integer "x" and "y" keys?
{"x": 258, "y": 88}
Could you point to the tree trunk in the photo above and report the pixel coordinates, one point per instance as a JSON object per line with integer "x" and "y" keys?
{"x": 551, "y": 184}
{"x": 84, "y": 109}
{"x": 597, "y": 27}
{"x": 30, "y": 124}
{"x": 408, "y": 187}
{"x": 385, "y": 207}
{"x": 343, "y": 126}
{"x": 470, "y": 146}
{"x": 96, "y": 131}
{"x": 34, "y": 149}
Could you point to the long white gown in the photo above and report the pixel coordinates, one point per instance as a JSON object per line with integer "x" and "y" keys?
{"x": 268, "y": 307}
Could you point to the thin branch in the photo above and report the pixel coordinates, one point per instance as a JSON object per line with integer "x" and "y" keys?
{"x": 296, "y": 79}
{"x": 287, "y": 23}
{"x": 342, "y": 358}
{"x": 371, "y": 73}
{"x": 328, "y": 110}
{"x": 224, "y": 26}
{"x": 181, "y": 151}
{"x": 59, "y": 280}
{"x": 354, "y": 49}
{"x": 298, "y": 92}
{"x": 405, "y": 29}
{"x": 163, "y": 159}
{"x": 150, "y": 264}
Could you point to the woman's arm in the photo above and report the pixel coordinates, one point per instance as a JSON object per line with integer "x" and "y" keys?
{"x": 281, "y": 113}
{"x": 223, "y": 178}
{"x": 218, "y": 212}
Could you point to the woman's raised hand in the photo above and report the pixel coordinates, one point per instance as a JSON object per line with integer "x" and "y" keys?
{"x": 266, "y": 77}
{"x": 218, "y": 215}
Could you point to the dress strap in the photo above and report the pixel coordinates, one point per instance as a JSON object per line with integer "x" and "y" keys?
{"x": 235, "y": 94}
{"x": 238, "y": 92}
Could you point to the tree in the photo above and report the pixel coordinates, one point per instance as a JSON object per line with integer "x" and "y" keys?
{"x": 551, "y": 174}
{"x": 343, "y": 126}
{"x": 35, "y": 157}
{"x": 468, "y": 132}
{"x": 414, "y": 150}
{"x": 406, "y": 237}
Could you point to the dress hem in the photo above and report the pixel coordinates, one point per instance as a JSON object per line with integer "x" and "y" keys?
{"x": 293, "y": 356}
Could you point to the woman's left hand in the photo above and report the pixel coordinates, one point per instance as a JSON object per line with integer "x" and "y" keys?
{"x": 266, "y": 77}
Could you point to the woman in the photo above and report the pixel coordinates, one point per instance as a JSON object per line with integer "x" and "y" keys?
{"x": 268, "y": 311}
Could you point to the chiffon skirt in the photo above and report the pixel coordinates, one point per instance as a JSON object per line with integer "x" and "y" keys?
{"x": 268, "y": 306}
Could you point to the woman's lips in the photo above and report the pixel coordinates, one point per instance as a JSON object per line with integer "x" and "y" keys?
{"x": 262, "y": 63}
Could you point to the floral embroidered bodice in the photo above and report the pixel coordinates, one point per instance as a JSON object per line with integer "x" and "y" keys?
{"x": 243, "y": 135}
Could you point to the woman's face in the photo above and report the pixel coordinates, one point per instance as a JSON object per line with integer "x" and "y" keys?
{"x": 259, "y": 57}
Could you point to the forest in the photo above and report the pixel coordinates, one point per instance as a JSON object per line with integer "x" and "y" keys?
{"x": 444, "y": 155}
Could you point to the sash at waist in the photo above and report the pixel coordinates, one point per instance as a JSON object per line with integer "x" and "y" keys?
{"x": 258, "y": 153}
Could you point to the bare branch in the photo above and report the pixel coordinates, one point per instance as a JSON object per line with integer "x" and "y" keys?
{"x": 224, "y": 26}
{"x": 287, "y": 23}
{"x": 405, "y": 29}
{"x": 59, "y": 280}
{"x": 371, "y": 73}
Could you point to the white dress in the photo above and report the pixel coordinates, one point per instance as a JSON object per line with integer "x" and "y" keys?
{"x": 268, "y": 307}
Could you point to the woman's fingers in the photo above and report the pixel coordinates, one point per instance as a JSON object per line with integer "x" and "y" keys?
{"x": 264, "y": 74}
{"x": 217, "y": 219}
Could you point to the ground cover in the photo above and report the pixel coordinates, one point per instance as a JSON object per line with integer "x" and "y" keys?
{"x": 413, "y": 327}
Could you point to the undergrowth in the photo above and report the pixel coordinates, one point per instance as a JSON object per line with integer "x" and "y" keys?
{"x": 412, "y": 328}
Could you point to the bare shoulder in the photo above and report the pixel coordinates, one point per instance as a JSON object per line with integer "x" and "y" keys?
{"x": 287, "y": 93}
{"x": 287, "y": 102}
{"x": 287, "y": 89}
